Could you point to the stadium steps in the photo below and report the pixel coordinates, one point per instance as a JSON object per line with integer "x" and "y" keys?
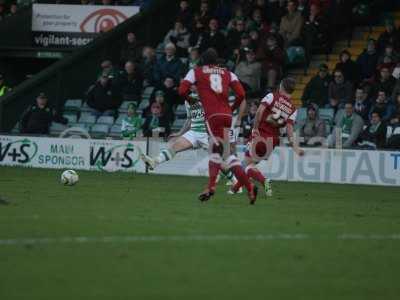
{"x": 357, "y": 46}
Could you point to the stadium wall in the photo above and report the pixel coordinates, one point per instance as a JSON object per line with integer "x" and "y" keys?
{"x": 318, "y": 165}
{"x": 69, "y": 78}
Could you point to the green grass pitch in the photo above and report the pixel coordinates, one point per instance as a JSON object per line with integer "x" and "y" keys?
{"x": 128, "y": 236}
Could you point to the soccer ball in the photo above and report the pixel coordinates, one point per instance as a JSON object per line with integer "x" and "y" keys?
{"x": 69, "y": 177}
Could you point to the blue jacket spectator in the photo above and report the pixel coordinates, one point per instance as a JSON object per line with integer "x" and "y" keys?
{"x": 383, "y": 106}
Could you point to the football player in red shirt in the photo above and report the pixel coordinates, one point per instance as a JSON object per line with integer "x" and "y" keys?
{"x": 213, "y": 84}
{"x": 275, "y": 111}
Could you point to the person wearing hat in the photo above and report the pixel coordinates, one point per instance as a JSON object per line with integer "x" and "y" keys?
{"x": 131, "y": 124}
{"x": 3, "y": 88}
{"x": 316, "y": 90}
{"x": 38, "y": 117}
{"x": 249, "y": 71}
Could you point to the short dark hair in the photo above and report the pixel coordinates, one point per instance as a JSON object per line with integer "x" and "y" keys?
{"x": 289, "y": 84}
{"x": 209, "y": 57}
{"x": 377, "y": 112}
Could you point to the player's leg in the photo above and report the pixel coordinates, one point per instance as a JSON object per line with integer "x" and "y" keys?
{"x": 182, "y": 143}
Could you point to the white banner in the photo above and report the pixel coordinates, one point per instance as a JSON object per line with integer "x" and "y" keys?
{"x": 79, "y": 18}
{"x": 79, "y": 154}
{"x": 318, "y": 165}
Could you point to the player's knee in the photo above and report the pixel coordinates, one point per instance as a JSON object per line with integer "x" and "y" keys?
{"x": 233, "y": 161}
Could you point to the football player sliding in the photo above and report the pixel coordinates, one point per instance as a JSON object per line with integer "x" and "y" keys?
{"x": 192, "y": 135}
{"x": 275, "y": 111}
{"x": 213, "y": 84}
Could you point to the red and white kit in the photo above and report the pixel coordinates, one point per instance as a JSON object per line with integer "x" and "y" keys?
{"x": 279, "y": 111}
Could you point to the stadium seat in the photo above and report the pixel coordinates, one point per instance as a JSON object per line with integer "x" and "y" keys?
{"x": 301, "y": 114}
{"x": 178, "y": 124}
{"x": 327, "y": 114}
{"x": 181, "y": 112}
{"x": 100, "y": 130}
{"x": 85, "y": 107}
{"x": 118, "y": 121}
{"x": 115, "y": 131}
{"x": 143, "y": 105}
{"x": 105, "y": 120}
{"x": 147, "y": 93}
{"x": 79, "y": 125}
{"x": 73, "y": 105}
{"x": 72, "y": 118}
{"x": 87, "y": 118}
{"x": 57, "y": 128}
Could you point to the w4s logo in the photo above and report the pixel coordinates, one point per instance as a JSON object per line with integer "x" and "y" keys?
{"x": 20, "y": 151}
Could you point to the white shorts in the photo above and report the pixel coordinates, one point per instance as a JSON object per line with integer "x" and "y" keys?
{"x": 197, "y": 139}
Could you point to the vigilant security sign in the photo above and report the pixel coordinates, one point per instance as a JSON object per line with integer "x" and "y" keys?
{"x": 85, "y": 154}
{"x": 75, "y": 25}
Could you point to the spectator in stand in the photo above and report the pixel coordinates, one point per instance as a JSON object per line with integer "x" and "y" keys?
{"x": 3, "y": 88}
{"x": 131, "y": 49}
{"x": 315, "y": 30}
{"x": 239, "y": 54}
{"x": 131, "y": 124}
{"x": 108, "y": 69}
{"x": 350, "y": 124}
{"x": 348, "y": 67}
{"x": 272, "y": 59}
{"x": 102, "y": 97}
{"x": 130, "y": 83}
{"x": 179, "y": 36}
{"x": 333, "y": 104}
{"x": 340, "y": 89}
{"x": 204, "y": 13}
{"x": 389, "y": 36}
{"x": 316, "y": 90}
{"x": 185, "y": 13}
{"x": 368, "y": 60}
{"x": 291, "y": 25}
{"x": 383, "y": 106}
{"x": 38, "y": 117}
{"x": 257, "y": 22}
{"x": 213, "y": 38}
{"x": 312, "y": 129}
{"x": 168, "y": 66}
{"x": 235, "y": 34}
{"x": 389, "y": 53}
{"x": 276, "y": 10}
{"x": 196, "y": 33}
{"x": 396, "y": 115}
{"x": 156, "y": 122}
{"x": 393, "y": 141}
{"x": 374, "y": 135}
{"x": 362, "y": 105}
{"x": 13, "y": 9}
{"x": 2, "y": 11}
{"x": 248, "y": 120}
{"x": 147, "y": 65}
{"x": 171, "y": 97}
{"x": 194, "y": 58}
{"x": 385, "y": 82}
{"x": 237, "y": 15}
{"x": 249, "y": 71}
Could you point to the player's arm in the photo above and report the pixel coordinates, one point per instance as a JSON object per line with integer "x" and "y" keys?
{"x": 186, "y": 83}
{"x": 237, "y": 87}
{"x": 293, "y": 142}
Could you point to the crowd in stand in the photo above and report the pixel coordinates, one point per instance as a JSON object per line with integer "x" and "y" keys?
{"x": 257, "y": 40}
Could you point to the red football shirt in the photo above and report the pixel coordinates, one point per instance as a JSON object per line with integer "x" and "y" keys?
{"x": 280, "y": 108}
{"x": 213, "y": 85}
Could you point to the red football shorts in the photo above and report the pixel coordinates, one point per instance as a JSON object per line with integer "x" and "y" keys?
{"x": 260, "y": 148}
{"x": 218, "y": 127}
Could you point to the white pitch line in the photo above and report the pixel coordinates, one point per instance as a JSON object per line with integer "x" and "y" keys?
{"x": 185, "y": 238}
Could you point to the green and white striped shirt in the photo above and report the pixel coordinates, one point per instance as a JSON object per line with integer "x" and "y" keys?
{"x": 196, "y": 114}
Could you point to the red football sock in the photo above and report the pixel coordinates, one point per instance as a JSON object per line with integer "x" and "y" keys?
{"x": 213, "y": 170}
{"x": 237, "y": 186}
{"x": 241, "y": 176}
{"x": 256, "y": 175}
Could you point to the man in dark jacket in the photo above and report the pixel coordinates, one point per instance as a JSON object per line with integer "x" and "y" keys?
{"x": 130, "y": 83}
{"x": 340, "y": 89}
{"x": 316, "y": 90}
{"x": 374, "y": 136}
{"x": 213, "y": 38}
{"x": 362, "y": 105}
{"x": 131, "y": 49}
{"x": 37, "y": 119}
{"x": 168, "y": 66}
{"x": 368, "y": 60}
{"x": 103, "y": 97}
